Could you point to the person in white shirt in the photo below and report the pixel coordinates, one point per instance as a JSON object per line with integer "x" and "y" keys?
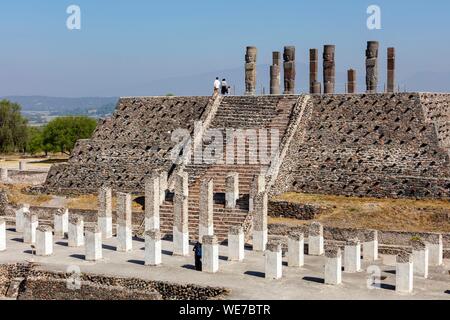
{"x": 216, "y": 86}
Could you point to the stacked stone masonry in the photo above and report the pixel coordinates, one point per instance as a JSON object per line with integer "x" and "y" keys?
{"x": 382, "y": 145}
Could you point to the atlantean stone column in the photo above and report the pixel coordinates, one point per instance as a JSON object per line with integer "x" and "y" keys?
{"x": 275, "y": 74}
{"x": 329, "y": 69}
{"x": 152, "y": 202}
{"x": 352, "y": 256}
{"x": 236, "y": 244}
{"x": 76, "y": 231}
{"x": 61, "y": 223}
{"x": 314, "y": 84}
{"x": 2, "y": 234}
{"x": 250, "y": 71}
{"x": 370, "y": 246}
{"x": 105, "y": 212}
{"x": 260, "y": 233}
{"x": 315, "y": 239}
{"x": 372, "y": 66}
{"x": 420, "y": 258}
{"x": 404, "y": 274}
{"x": 210, "y": 254}
{"x": 181, "y": 215}
{"x": 206, "y": 210}
{"x": 152, "y": 247}
{"x": 296, "y": 250}
{"x": 30, "y": 224}
{"x": 333, "y": 266}
{"x": 274, "y": 261}
{"x": 351, "y": 81}
{"x": 232, "y": 190}
{"x": 93, "y": 244}
{"x": 391, "y": 70}
{"x": 289, "y": 70}
{"x": 124, "y": 231}
{"x": 44, "y": 241}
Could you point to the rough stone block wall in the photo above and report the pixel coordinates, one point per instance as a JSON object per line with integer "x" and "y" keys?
{"x": 381, "y": 145}
{"x": 125, "y": 148}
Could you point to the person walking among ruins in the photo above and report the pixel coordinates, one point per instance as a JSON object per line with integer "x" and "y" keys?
{"x": 198, "y": 256}
{"x": 216, "y": 86}
{"x": 224, "y": 87}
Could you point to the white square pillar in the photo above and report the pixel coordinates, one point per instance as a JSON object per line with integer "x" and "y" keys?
{"x": 93, "y": 244}
{"x": 4, "y": 175}
{"x": 76, "y": 231}
{"x": 163, "y": 185}
{"x": 274, "y": 263}
{"x": 61, "y": 223}
{"x": 206, "y": 207}
{"x": 153, "y": 247}
{"x": 152, "y": 202}
{"x": 210, "y": 254}
{"x": 260, "y": 231}
{"x": 352, "y": 256}
{"x": 22, "y": 165}
{"x": 296, "y": 250}
{"x": 104, "y": 219}
{"x": 315, "y": 239}
{"x": 30, "y": 224}
{"x": 333, "y": 266}
{"x": 420, "y": 258}
{"x": 19, "y": 216}
{"x": 231, "y": 190}
{"x": 44, "y": 241}
{"x": 404, "y": 274}
{"x": 435, "y": 250}
{"x": 370, "y": 246}
{"x": 124, "y": 231}
{"x": 2, "y": 234}
{"x": 181, "y": 215}
{"x": 236, "y": 244}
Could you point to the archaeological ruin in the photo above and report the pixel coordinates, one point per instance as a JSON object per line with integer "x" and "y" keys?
{"x": 206, "y": 168}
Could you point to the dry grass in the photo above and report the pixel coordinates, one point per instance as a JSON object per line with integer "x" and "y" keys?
{"x": 381, "y": 214}
{"x": 16, "y": 196}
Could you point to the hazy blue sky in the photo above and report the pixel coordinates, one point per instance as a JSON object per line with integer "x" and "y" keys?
{"x": 124, "y": 46}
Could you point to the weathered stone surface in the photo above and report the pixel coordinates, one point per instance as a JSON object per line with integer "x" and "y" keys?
{"x": 300, "y": 211}
{"x": 250, "y": 70}
{"x": 314, "y": 84}
{"x": 391, "y": 70}
{"x": 333, "y": 252}
{"x": 351, "y": 81}
{"x": 329, "y": 69}
{"x": 404, "y": 257}
{"x": 275, "y": 74}
{"x": 289, "y": 70}
{"x": 372, "y": 66}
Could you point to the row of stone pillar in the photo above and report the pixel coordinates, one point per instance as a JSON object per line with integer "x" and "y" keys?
{"x": 329, "y": 71}
{"x": 408, "y": 264}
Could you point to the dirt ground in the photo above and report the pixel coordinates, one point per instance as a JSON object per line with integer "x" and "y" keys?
{"x": 380, "y": 214}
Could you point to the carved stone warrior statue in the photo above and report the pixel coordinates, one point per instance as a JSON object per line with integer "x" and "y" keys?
{"x": 289, "y": 70}
{"x": 250, "y": 70}
{"x": 372, "y": 66}
{"x": 275, "y": 77}
{"x": 314, "y": 85}
{"x": 329, "y": 69}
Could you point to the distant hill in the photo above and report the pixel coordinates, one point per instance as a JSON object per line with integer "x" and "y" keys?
{"x": 55, "y": 106}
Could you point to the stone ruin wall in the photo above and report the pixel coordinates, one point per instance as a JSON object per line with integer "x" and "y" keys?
{"x": 381, "y": 145}
{"x": 384, "y": 145}
{"x": 125, "y": 148}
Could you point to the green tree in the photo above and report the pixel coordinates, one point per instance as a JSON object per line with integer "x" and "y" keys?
{"x": 35, "y": 140}
{"x": 13, "y": 127}
{"x": 61, "y": 134}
